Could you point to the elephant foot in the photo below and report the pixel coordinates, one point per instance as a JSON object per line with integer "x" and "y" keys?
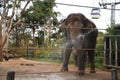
{"x": 64, "y": 69}
{"x": 81, "y": 73}
{"x": 92, "y": 71}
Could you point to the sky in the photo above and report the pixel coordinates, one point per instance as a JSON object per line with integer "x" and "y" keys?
{"x": 102, "y": 23}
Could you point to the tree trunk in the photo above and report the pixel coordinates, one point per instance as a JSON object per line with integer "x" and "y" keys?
{"x": 44, "y": 43}
{"x": 1, "y": 57}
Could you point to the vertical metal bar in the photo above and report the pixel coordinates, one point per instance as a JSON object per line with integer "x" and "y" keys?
{"x": 62, "y": 54}
{"x": 110, "y": 51}
{"x": 105, "y": 50}
{"x": 116, "y": 52}
{"x": 112, "y": 13}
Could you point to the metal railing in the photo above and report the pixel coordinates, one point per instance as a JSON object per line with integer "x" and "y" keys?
{"x": 112, "y": 51}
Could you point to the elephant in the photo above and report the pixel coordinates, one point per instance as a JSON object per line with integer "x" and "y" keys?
{"x": 81, "y": 34}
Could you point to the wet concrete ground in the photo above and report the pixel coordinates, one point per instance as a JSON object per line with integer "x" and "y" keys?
{"x": 32, "y": 70}
{"x": 66, "y": 76}
{"x": 101, "y": 75}
{"x": 55, "y": 76}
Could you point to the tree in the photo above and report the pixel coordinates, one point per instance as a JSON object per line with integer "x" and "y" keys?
{"x": 7, "y": 21}
{"x": 18, "y": 36}
{"x": 113, "y": 30}
{"x": 41, "y": 14}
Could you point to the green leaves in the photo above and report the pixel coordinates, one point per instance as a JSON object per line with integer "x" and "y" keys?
{"x": 42, "y": 12}
{"x": 114, "y": 30}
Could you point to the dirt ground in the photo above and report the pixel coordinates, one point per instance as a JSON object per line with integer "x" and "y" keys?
{"x": 34, "y": 70}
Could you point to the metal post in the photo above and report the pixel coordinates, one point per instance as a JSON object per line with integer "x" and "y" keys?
{"x": 62, "y": 55}
{"x": 116, "y": 51}
{"x": 10, "y": 75}
{"x": 110, "y": 53}
{"x": 112, "y": 13}
{"x": 114, "y": 74}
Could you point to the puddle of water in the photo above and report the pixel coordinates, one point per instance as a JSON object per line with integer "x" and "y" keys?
{"x": 40, "y": 77}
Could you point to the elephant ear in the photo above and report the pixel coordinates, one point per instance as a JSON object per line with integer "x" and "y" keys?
{"x": 64, "y": 29}
{"x": 63, "y": 25}
{"x": 84, "y": 21}
{"x": 87, "y": 24}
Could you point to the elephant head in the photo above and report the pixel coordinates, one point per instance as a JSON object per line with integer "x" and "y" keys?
{"x": 76, "y": 24}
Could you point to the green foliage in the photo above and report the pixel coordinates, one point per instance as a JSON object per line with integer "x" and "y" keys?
{"x": 99, "y": 59}
{"x": 18, "y": 37}
{"x": 113, "y": 30}
{"x": 44, "y": 54}
{"x": 40, "y": 37}
{"x": 99, "y": 50}
{"x": 41, "y": 11}
{"x": 41, "y": 14}
{"x": 45, "y": 60}
{"x": 100, "y": 38}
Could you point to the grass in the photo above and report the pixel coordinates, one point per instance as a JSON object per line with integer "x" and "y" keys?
{"x": 45, "y": 60}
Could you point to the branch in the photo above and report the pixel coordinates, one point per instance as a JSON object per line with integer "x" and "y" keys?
{"x": 21, "y": 13}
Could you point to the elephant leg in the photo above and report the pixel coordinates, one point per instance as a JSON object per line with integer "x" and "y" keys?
{"x": 91, "y": 56}
{"x": 81, "y": 62}
{"x": 67, "y": 53}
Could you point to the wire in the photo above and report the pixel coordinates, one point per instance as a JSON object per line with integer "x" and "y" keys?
{"x": 84, "y": 6}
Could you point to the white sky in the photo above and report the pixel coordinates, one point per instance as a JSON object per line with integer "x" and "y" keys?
{"x": 104, "y": 19}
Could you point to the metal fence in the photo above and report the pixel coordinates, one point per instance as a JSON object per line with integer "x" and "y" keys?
{"x": 112, "y": 51}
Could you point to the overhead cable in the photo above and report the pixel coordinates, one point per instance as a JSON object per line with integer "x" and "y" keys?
{"x": 84, "y": 6}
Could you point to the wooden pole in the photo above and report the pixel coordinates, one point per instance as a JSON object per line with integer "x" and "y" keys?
{"x": 10, "y": 75}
